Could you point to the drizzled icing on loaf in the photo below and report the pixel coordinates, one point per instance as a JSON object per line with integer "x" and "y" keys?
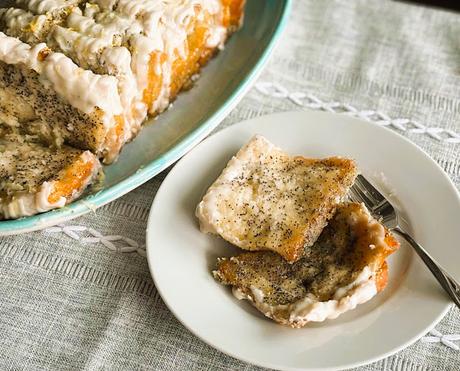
{"x": 86, "y": 73}
{"x": 84, "y": 89}
{"x": 120, "y": 38}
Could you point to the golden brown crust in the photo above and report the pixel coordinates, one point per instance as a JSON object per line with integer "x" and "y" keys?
{"x": 198, "y": 53}
{"x": 233, "y": 13}
{"x": 72, "y": 180}
{"x": 381, "y": 279}
{"x": 346, "y": 173}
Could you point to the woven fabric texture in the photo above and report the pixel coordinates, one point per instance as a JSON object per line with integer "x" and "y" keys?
{"x": 75, "y": 297}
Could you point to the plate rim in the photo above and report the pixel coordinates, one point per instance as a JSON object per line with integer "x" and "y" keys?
{"x": 399, "y": 348}
{"x": 91, "y": 202}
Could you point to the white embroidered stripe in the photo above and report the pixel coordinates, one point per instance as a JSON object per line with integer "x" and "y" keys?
{"x": 311, "y": 101}
{"x": 437, "y": 337}
{"x": 91, "y": 236}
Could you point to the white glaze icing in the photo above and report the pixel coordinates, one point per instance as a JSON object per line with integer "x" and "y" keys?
{"x": 82, "y": 88}
{"x": 27, "y": 204}
{"x": 85, "y": 50}
{"x": 106, "y": 4}
{"x": 16, "y": 19}
{"x": 44, "y": 6}
{"x": 309, "y": 309}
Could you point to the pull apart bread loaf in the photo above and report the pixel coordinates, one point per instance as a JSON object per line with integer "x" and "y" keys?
{"x": 345, "y": 267}
{"x": 88, "y": 73}
{"x": 312, "y": 255}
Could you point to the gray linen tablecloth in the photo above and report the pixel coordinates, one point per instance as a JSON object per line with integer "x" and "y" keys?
{"x": 79, "y": 298}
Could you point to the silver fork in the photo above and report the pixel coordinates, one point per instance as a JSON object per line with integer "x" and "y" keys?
{"x": 379, "y": 206}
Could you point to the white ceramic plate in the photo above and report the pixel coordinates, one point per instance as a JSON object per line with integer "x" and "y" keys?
{"x": 181, "y": 258}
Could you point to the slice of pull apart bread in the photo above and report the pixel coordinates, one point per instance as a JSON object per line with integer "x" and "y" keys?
{"x": 35, "y": 178}
{"x": 345, "y": 267}
{"x": 92, "y": 71}
{"x": 267, "y": 200}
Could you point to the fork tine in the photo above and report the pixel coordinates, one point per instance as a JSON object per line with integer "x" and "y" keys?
{"x": 360, "y": 195}
{"x": 363, "y": 191}
{"x": 357, "y": 196}
{"x": 364, "y": 184}
{"x": 352, "y": 197}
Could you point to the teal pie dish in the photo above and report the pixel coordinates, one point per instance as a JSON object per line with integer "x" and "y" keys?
{"x": 195, "y": 113}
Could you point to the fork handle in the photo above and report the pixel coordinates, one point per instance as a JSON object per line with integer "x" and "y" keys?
{"x": 447, "y": 282}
